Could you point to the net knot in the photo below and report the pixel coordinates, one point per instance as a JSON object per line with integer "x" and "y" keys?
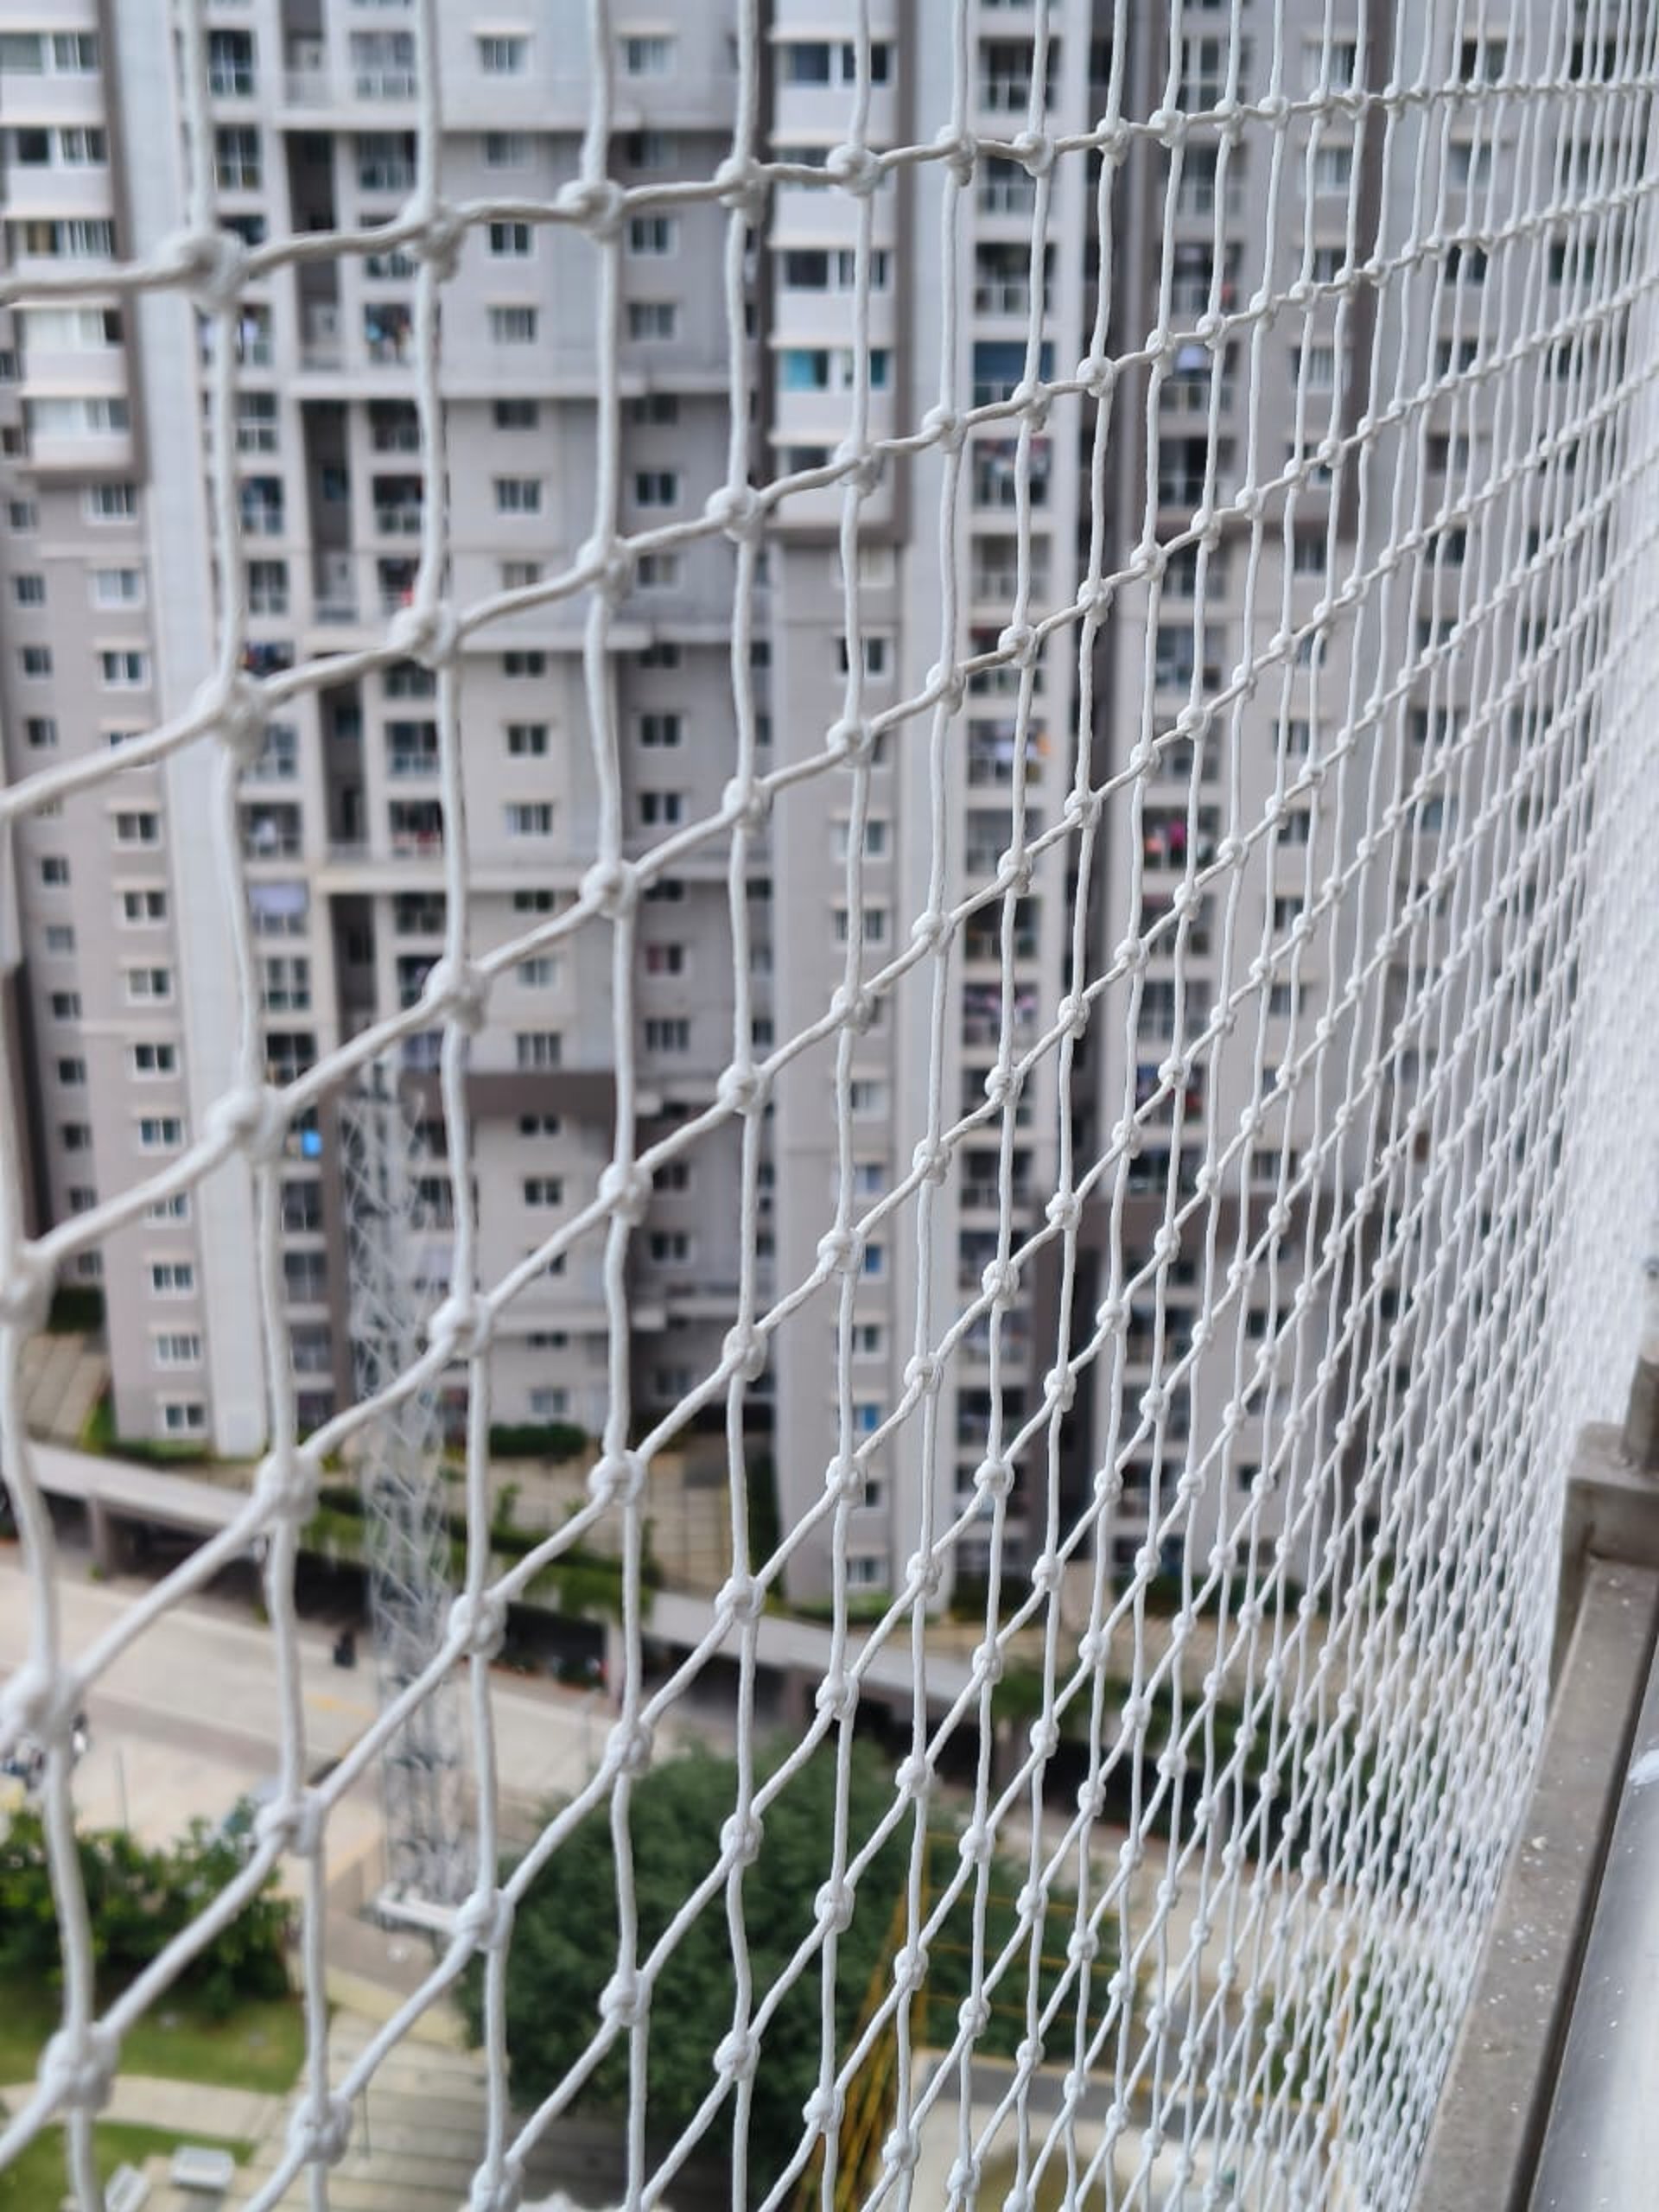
{"x": 931, "y": 1162}
{"x": 958, "y": 150}
{"x": 853, "y": 1009}
{"x": 286, "y": 1487}
{"x": 617, "y": 1479}
{"x": 946, "y": 428}
{"x": 741, "y": 1839}
{"x": 923, "y": 1374}
{"x": 630, "y": 1748}
{"x": 966, "y": 2174}
{"x": 238, "y": 714}
{"x": 624, "y": 2001}
{"x": 595, "y": 204}
{"x": 295, "y": 1824}
{"x": 745, "y": 1351}
{"x": 428, "y": 634}
{"x": 910, "y": 1969}
{"x": 252, "y": 1120}
{"x": 852, "y": 742}
{"x": 1065, "y": 1210}
{"x": 1002, "y": 1085}
{"x": 1045, "y": 1737}
{"x": 737, "y": 2055}
{"x": 837, "y": 1695}
{"x": 739, "y": 510}
{"x": 840, "y": 1252}
{"x": 743, "y": 1089}
{"x": 461, "y": 1326}
{"x": 612, "y": 888}
{"x": 485, "y": 1921}
{"x": 834, "y": 1906}
{"x": 854, "y": 169}
{"x": 1098, "y": 377}
{"x": 625, "y": 1191}
{"x": 1034, "y": 150}
{"x": 1001, "y": 1283}
{"x": 931, "y": 931}
{"x": 26, "y": 1292}
{"x": 320, "y": 2133}
{"x": 741, "y": 184}
{"x": 822, "y": 2110}
{"x": 213, "y": 264}
{"x": 459, "y": 991}
{"x": 861, "y": 465}
{"x": 994, "y": 1476}
{"x": 1167, "y": 125}
{"x": 987, "y": 1663}
{"x": 742, "y": 1599}
{"x": 437, "y": 233}
{"x": 912, "y": 1779}
{"x": 924, "y": 1575}
{"x": 477, "y": 1625}
{"x": 1020, "y": 643}
{"x": 77, "y": 2068}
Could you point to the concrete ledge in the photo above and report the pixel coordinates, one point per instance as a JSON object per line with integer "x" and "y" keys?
{"x": 1489, "y": 2123}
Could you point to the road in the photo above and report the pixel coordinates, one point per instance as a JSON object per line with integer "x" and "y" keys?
{"x": 185, "y": 1720}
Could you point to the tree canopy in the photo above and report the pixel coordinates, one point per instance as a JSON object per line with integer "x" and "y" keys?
{"x": 564, "y": 1949}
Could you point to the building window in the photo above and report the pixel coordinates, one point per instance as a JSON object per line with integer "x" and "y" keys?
{"x": 237, "y": 164}
{"x": 124, "y": 670}
{"x": 60, "y": 936}
{"x": 137, "y": 827}
{"x": 178, "y": 1348}
{"x": 539, "y": 1125}
{"x": 506, "y": 150}
{"x": 118, "y": 587}
{"x": 512, "y": 325}
{"x": 655, "y": 487}
{"x": 21, "y": 517}
{"x": 110, "y": 503}
{"x": 527, "y": 741}
{"x": 661, "y": 808}
{"x": 653, "y": 320}
{"x": 143, "y": 908}
{"x": 503, "y": 56}
{"x": 154, "y": 1058}
{"x": 517, "y": 495}
{"x": 654, "y": 410}
{"x": 652, "y": 236}
{"x": 66, "y": 1006}
{"x": 537, "y": 1049}
{"x": 149, "y": 983}
{"x": 28, "y": 590}
{"x": 661, "y": 729}
{"x": 525, "y": 663}
{"x": 54, "y": 871}
{"x": 35, "y": 661}
{"x": 516, "y": 414}
{"x": 647, "y": 55}
{"x": 529, "y": 818}
{"x": 511, "y": 241}
{"x": 657, "y": 571}
{"x": 160, "y": 1133}
{"x": 71, "y": 1070}
{"x": 171, "y": 1278}
{"x": 538, "y": 974}
{"x": 41, "y": 732}
{"x": 668, "y": 1035}
{"x": 544, "y": 1191}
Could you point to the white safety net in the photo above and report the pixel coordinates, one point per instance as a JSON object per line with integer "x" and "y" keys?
{"x": 1316, "y": 1133}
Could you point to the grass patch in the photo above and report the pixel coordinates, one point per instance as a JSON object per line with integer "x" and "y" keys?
{"x": 37, "y": 2180}
{"x": 1000, "y": 2175}
{"x": 261, "y": 2046}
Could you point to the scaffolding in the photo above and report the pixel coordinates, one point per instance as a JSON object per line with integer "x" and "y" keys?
{"x": 428, "y": 1846}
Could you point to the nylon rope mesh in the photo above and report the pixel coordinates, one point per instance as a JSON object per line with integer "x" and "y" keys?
{"x": 1375, "y": 881}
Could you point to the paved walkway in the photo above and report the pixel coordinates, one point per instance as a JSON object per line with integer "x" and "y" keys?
{"x": 192, "y": 2109}
{"x": 63, "y": 1378}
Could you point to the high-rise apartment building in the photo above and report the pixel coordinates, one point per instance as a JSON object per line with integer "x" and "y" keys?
{"x": 1215, "y": 666}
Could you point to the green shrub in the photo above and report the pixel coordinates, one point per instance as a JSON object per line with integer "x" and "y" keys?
{"x": 551, "y": 1439}
{"x": 138, "y": 1899}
